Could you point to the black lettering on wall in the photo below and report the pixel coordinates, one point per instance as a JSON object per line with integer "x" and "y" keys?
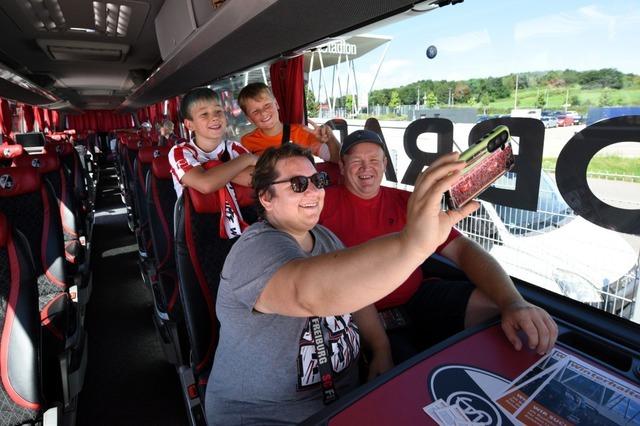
{"x": 528, "y": 161}
{"x": 571, "y": 173}
{"x": 419, "y": 159}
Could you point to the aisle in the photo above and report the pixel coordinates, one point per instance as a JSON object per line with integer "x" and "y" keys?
{"x": 128, "y": 380}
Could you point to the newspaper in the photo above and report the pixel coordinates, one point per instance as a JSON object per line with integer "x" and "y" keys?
{"x": 563, "y": 390}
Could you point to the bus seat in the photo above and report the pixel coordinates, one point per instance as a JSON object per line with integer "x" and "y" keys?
{"x": 82, "y": 186}
{"x": 8, "y": 152}
{"x": 22, "y": 399}
{"x": 200, "y": 255}
{"x": 340, "y": 125}
{"x": 333, "y": 170}
{"x": 169, "y": 319}
{"x": 141, "y": 167}
{"x": 49, "y": 167}
{"x": 64, "y": 350}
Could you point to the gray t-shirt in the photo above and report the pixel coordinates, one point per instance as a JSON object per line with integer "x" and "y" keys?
{"x": 265, "y": 368}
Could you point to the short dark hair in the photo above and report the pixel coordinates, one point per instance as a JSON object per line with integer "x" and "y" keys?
{"x": 265, "y": 171}
{"x": 252, "y": 91}
{"x": 193, "y": 96}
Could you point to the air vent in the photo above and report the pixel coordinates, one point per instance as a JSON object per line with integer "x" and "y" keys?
{"x": 69, "y": 50}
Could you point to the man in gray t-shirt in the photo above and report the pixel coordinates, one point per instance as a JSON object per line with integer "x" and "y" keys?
{"x": 287, "y": 273}
{"x": 275, "y": 374}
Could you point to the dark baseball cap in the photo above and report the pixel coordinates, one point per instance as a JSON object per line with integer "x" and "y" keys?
{"x": 360, "y": 136}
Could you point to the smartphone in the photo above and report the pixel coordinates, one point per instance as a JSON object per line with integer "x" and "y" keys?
{"x": 487, "y": 160}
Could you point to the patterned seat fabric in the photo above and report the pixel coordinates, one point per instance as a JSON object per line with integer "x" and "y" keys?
{"x": 161, "y": 200}
{"x": 142, "y": 167}
{"x": 200, "y": 255}
{"x": 20, "y": 397}
{"x": 49, "y": 166}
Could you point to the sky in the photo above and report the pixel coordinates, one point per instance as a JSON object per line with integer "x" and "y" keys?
{"x": 482, "y": 38}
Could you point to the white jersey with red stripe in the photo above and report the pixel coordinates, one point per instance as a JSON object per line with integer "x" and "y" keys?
{"x": 187, "y": 155}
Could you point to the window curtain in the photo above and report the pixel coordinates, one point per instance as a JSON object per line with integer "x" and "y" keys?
{"x": 29, "y": 118}
{"x": 5, "y": 117}
{"x": 55, "y": 120}
{"x": 287, "y": 84}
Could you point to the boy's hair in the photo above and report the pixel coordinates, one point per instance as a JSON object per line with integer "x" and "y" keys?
{"x": 265, "y": 171}
{"x": 252, "y": 91}
{"x": 193, "y": 96}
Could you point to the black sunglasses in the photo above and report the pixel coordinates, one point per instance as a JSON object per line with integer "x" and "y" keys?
{"x": 301, "y": 183}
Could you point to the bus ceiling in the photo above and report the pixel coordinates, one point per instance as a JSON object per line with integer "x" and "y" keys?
{"x": 74, "y": 55}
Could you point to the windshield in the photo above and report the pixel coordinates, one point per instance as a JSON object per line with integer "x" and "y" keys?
{"x": 565, "y": 65}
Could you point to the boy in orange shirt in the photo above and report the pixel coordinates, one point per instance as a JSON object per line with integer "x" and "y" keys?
{"x": 261, "y": 108}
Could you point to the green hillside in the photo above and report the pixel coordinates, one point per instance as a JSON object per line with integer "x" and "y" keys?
{"x": 549, "y": 90}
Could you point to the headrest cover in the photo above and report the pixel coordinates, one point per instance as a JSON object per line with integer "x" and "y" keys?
{"x": 10, "y": 151}
{"x": 209, "y": 203}
{"x": 60, "y": 147}
{"x": 161, "y": 168}
{"x": 4, "y": 230}
{"x": 136, "y": 144}
{"x": 18, "y": 180}
{"x": 45, "y": 163}
{"x": 146, "y": 154}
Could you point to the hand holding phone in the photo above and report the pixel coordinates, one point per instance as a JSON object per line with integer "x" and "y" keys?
{"x": 487, "y": 160}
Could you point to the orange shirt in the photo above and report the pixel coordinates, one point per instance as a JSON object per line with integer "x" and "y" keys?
{"x": 257, "y": 142}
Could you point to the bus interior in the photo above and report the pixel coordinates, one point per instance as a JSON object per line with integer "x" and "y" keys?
{"x": 118, "y": 326}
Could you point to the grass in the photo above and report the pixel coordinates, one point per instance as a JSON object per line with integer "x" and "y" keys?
{"x": 527, "y": 98}
{"x": 611, "y": 164}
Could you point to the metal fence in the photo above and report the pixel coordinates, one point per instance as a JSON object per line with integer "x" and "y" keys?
{"x": 530, "y": 245}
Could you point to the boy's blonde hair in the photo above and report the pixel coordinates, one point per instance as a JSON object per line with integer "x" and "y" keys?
{"x": 252, "y": 91}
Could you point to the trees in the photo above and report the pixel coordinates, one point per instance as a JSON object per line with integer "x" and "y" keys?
{"x": 394, "y": 102}
{"x": 312, "y": 105}
{"x": 431, "y": 100}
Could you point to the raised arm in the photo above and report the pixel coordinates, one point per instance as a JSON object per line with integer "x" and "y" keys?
{"x": 325, "y": 135}
{"x": 347, "y": 280}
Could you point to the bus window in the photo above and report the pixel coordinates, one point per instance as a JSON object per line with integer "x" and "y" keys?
{"x": 567, "y": 67}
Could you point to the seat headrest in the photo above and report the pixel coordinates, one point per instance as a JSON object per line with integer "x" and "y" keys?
{"x": 136, "y": 144}
{"x": 146, "y": 154}
{"x": 18, "y": 180}
{"x": 210, "y": 203}
{"x": 45, "y": 162}
{"x": 161, "y": 168}
{"x": 4, "y": 230}
{"x": 333, "y": 170}
{"x": 9, "y": 151}
{"x": 60, "y": 147}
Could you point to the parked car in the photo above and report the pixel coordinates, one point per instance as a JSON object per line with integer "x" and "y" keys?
{"x": 549, "y": 121}
{"x": 557, "y": 250}
{"x": 564, "y": 120}
{"x": 577, "y": 118}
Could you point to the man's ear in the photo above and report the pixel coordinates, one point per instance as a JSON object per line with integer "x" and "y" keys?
{"x": 188, "y": 124}
{"x": 341, "y": 165}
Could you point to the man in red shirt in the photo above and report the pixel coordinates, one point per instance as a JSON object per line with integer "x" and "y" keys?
{"x": 362, "y": 209}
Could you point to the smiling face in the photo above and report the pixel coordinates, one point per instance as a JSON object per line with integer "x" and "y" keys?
{"x": 208, "y": 122}
{"x": 262, "y": 111}
{"x": 363, "y": 168}
{"x": 288, "y": 211}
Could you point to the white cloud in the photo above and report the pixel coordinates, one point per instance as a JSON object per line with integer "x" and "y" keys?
{"x": 464, "y": 42}
{"x": 550, "y": 25}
